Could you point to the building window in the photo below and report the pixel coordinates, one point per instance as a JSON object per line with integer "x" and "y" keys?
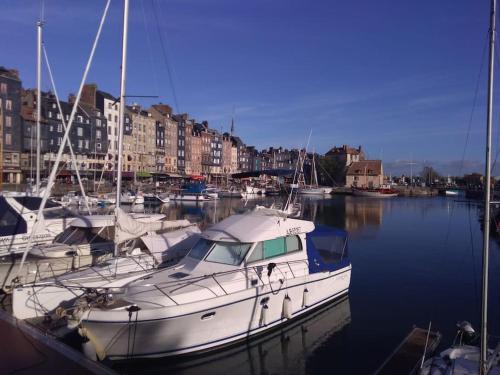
{"x": 98, "y": 122}
{"x": 98, "y": 134}
{"x": 3, "y": 88}
{"x": 110, "y": 105}
{"x": 8, "y": 139}
{"x": 79, "y": 131}
{"x": 51, "y": 142}
{"x": 67, "y": 117}
{"x": 79, "y": 118}
{"x": 59, "y": 140}
{"x": 8, "y": 121}
{"x": 116, "y": 118}
{"x": 109, "y": 117}
{"x": 50, "y": 114}
{"x": 59, "y": 128}
{"x": 54, "y": 105}
{"x": 8, "y": 105}
{"x": 58, "y": 116}
{"x": 80, "y": 143}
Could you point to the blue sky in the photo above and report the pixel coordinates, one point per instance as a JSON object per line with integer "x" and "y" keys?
{"x": 397, "y": 77}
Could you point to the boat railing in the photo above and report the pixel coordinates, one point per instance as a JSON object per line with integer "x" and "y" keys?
{"x": 256, "y": 270}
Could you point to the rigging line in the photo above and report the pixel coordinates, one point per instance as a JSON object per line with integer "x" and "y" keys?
{"x": 471, "y": 236}
{"x": 164, "y": 52}
{"x": 497, "y": 62}
{"x": 467, "y": 137}
{"x": 150, "y": 49}
{"x": 478, "y": 81}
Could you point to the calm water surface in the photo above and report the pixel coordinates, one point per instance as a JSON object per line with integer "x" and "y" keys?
{"x": 414, "y": 260}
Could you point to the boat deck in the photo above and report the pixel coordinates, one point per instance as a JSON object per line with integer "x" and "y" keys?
{"x": 407, "y": 357}
{"x": 25, "y": 350}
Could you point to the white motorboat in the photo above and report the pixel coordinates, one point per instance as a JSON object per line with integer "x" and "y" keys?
{"x": 193, "y": 191}
{"x": 211, "y": 193}
{"x": 159, "y": 198}
{"x": 17, "y": 220}
{"x": 245, "y": 275}
{"x": 131, "y": 198}
{"x": 71, "y": 198}
{"x": 232, "y": 192}
{"x": 451, "y": 192}
{"x": 253, "y": 189}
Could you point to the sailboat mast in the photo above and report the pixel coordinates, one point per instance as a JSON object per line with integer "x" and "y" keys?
{"x": 122, "y": 110}
{"x": 39, "y": 25}
{"x": 483, "y": 363}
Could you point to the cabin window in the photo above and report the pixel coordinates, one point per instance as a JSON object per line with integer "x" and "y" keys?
{"x": 201, "y": 249}
{"x": 231, "y": 253}
{"x": 275, "y": 247}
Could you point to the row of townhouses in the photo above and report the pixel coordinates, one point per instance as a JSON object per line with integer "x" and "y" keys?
{"x": 156, "y": 143}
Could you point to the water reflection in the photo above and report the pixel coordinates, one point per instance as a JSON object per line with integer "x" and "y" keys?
{"x": 286, "y": 350}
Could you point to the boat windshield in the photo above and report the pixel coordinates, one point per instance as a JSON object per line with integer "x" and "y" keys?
{"x": 201, "y": 248}
{"x": 231, "y": 253}
{"x": 82, "y": 236}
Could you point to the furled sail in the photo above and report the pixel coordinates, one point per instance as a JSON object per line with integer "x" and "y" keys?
{"x": 128, "y": 228}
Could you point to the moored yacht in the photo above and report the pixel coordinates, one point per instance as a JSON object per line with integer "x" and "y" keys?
{"x": 17, "y": 220}
{"x": 164, "y": 243}
{"x": 245, "y": 275}
{"x": 86, "y": 235}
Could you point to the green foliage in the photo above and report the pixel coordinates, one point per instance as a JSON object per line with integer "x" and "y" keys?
{"x": 330, "y": 172}
{"x": 429, "y": 175}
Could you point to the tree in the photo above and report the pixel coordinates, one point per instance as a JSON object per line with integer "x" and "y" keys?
{"x": 429, "y": 175}
{"x": 330, "y": 172}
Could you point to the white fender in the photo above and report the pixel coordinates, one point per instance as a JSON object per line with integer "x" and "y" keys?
{"x": 305, "y": 298}
{"x": 287, "y": 307}
{"x": 263, "y": 315}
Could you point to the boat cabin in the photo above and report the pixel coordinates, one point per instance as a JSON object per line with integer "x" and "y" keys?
{"x": 18, "y": 213}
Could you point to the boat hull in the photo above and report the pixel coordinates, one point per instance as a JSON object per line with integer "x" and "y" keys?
{"x": 373, "y": 194}
{"x": 17, "y": 244}
{"x": 208, "y": 324}
{"x": 316, "y": 191}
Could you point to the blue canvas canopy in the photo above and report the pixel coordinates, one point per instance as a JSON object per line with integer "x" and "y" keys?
{"x": 327, "y": 249}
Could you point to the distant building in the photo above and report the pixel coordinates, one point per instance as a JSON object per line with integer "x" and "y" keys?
{"x": 365, "y": 174}
{"x": 181, "y": 141}
{"x": 144, "y": 134}
{"x": 10, "y": 106}
{"x": 226, "y": 153}
{"x": 163, "y": 113}
{"x": 215, "y": 151}
{"x": 346, "y": 155}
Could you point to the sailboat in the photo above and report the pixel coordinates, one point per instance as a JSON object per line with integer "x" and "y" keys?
{"x": 129, "y": 262}
{"x": 463, "y": 358}
{"x": 314, "y": 187}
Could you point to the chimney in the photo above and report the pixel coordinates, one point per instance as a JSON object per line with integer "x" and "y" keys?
{"x": 71, "y": 98}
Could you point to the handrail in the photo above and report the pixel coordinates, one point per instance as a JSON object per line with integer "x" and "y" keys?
{"x": 190, "y": 281}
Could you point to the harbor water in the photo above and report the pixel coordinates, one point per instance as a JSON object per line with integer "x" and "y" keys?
{"x": 415, "y": 261}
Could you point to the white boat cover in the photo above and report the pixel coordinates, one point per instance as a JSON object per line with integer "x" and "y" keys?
{"x": 257, "y": 225}
{"x": 128, "y": 228}
{"x": 159, "y": 244}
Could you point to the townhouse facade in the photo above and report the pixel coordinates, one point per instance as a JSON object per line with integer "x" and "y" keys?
{"x": 156, "y": 142}
{"x": 10, "y": 106}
